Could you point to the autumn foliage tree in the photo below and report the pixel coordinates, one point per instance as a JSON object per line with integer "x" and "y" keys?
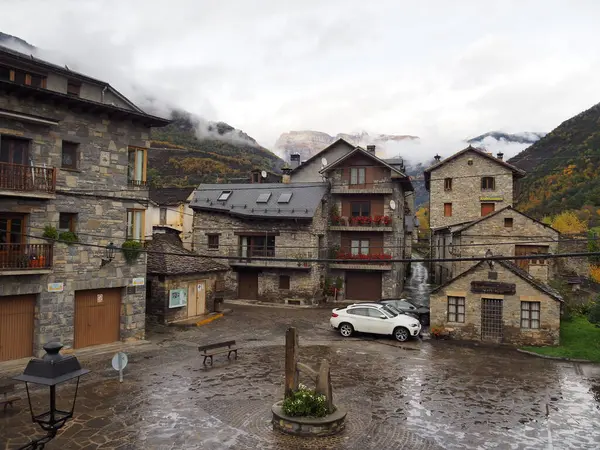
{"x": 567, "y": 222}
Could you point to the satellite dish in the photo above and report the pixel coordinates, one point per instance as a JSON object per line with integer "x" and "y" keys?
{"x": 324, "y": 161}
{"x": 263, "y": 174}
{"x": 392, "y": 205}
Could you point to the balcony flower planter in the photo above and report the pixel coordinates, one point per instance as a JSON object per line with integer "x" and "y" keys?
{"x": 361, "y": 257}
{"x": 362, "y": 221}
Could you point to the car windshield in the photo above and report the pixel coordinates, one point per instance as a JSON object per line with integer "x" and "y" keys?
{"x": 391, "y": 310}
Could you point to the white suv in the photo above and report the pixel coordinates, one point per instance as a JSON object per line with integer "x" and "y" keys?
{"x": 374, "y": 318}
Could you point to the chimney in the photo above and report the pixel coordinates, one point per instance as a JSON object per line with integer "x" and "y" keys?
{"x": 286, "y": 177}
{"x": 437, "y": 158}
{"x": 371, "y": 149}
{"x": 294, "y": 160}
{"x": 500, "y": 155}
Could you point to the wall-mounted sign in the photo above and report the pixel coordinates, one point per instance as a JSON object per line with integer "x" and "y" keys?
{"x": 491, "y": 199}
{"x": 99, "y": 298}
{"x": 493, "y": 287}
{"x": 138, "y": 281}
{"x": 56, "y": 287}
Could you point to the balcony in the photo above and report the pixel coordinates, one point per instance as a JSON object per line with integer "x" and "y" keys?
{"x": 373, "y": 260}
{"x": 25, "y": 259}
{"x": 361, "y": 223}
{"x": 367, "y": 188}
{"x": 18, "y": 180}
{"x": 260, "y": 257}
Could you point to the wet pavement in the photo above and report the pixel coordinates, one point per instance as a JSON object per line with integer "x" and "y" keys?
{"x": 420, "y": 395}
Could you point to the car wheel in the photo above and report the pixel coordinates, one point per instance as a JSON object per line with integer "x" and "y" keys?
{"x": 346, "y": 330}
{"x": 401, "y": 334}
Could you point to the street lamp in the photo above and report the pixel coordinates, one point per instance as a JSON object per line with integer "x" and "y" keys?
{"x": 53, "y": 369}
{"x": 109, "y": 253}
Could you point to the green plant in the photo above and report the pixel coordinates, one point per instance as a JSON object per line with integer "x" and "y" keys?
{"x": 131, "y": 250}
{"x": 305, "y": 402}
{"x": 436, "y": 331}
{"x": 50, "y": 232}
{"x": 68, "y": 237}
{"x": 594, "y": 313}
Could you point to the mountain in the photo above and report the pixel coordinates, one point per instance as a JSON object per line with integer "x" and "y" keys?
{"x": 16, "y": 43}
{"x": 190, "y": 151}
{"x": 308, "y": 143}
{"x": 563, "y": 169}
{"x": 526, "y": 137}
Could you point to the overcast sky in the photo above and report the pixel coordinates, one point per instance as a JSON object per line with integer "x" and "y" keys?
{"x": 443, "y": 70}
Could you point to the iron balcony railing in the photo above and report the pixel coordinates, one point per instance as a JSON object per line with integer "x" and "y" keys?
{"x": 18, "y": 177}
{"x": 25, "y": 256}
{"x": 259, "y": 256}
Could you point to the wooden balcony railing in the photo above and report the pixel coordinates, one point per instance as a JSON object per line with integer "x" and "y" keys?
{"x": 17, "y": 177}
{"x": 25, "y": 256}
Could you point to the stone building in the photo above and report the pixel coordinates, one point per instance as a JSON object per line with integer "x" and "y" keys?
{"x": 170, "y": 207}
{"x": 268, "y": 221}
{"x": 72, "y": 159}
{"x": 181, "y": 284}
{"x": 499, "y": 303}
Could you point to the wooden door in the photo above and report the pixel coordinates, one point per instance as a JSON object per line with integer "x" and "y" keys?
{"x": 97, "y": 317}
{"x": 487, "y": 208}
{"x": 192, "y": 306}
{"x": 16, "y": 326}
{"x": 491, "y": 320}
{"x": 12, "y": 238}
{"x": 14, "y": 150}
{"x": 201, "y": 297}
{"x": 248, "y": 285}
{"x": 363, "y": 286}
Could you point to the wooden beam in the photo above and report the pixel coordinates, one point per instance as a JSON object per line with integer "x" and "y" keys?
{"x": 291, "y": 361}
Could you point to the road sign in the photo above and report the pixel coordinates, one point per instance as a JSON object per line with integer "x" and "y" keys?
{"x": 119, "y": 362}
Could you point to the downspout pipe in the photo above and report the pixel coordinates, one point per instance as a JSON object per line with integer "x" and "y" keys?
{"x": 103, "y": 91}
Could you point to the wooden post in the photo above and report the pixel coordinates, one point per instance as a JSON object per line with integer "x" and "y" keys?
{"x": 291, "y": 359}
{"x": 324, "y": 383}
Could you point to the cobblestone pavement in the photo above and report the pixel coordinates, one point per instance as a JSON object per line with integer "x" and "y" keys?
{"x": 420, "y": 395}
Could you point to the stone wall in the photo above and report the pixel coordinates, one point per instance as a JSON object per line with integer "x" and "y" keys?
{"x": 97, "y": 192}
{"x": 547, "y": 334}
{"x": 573, "y": 265}
{"x": 466, "y": 189}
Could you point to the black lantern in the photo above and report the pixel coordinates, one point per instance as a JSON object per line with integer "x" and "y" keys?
{"x": 109, "y": 255}
{"x": 53, "y": 369}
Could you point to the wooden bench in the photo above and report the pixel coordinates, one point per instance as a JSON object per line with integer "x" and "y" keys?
{"x": 208, "y": 351}
{"x": 7, "y": 401}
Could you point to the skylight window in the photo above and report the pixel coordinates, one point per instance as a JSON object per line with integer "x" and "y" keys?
{"x": 264, "y": 198}
{"x": 285, "y": 197}
{"x": 224, "y": 195}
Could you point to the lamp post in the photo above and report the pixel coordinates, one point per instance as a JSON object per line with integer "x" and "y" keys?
{"x": 51, "y": 370}
{"x": 109, "y": 254}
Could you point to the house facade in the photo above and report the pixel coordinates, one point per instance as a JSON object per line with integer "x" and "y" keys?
{"x": 497, "y": 302}
{"x": 265, "y": 232}
{"x": 170, "y": 207}
{"x": 72, "y": 165}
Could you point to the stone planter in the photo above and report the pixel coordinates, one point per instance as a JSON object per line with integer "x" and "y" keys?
{"x": 308, "y": 426}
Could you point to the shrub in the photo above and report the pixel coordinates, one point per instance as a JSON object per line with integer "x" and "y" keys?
{"x": 68, "y": 237}
{"x": 50, "y": 232}
{"x": 305, "y": 403}
{"x": 131, "y": 251}
{"x": 594, "y": 313}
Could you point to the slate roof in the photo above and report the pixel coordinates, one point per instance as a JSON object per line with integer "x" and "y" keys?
{"x": 305, "y": 199}
{"x": 166, "y": 256}
{"x": 364, "y": 153}
{"x": 514, "y": 269}
{"x": 481, "y": 219}
{"x": 170, "y": 196}
{"x": 516, "y": 171}
{"x": 323, "y": 152}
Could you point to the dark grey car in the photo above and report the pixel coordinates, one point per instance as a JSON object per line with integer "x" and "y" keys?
{"x": 406, "y": 306}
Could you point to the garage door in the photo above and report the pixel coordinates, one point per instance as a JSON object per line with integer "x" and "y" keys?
{"x": 363, "y": 286}
{"x": 97, "y": 317}
{"x": 16, "y": 326}
{"x": 248, "y": 285}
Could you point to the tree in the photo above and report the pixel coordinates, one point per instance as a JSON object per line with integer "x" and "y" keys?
{"x": 567, "y": 222}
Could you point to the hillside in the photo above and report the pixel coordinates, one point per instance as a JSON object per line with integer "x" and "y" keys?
{"x": 527, "y": 137}
{"x": 189, "y": 152}
{"x": 563, "y": 169}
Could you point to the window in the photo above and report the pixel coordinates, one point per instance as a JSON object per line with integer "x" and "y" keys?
{"x": 470, "y": 161}
{"x": 359, "y": 247}
{"x": 285, "y": 197}
{"x": 284, "y": 281}
{"x": 73, "y": 88}
{"x": 447, "y": 209}
{"x": 256, "y": 178}
{"x": 487, "y": 208}
{"x": 67, "y": 222}
{"x": 213, "y": 241}
{"x": 359, "y": 311}
{"x": 357, "y": 175}
{"x": 69, "y": 155}
{"x": 264, "y": 197}
{"x": 456, "y": 309}
{"x": 163, "y": 216}
{"x": 447, "y": 184}
{"x": 360, "y": 209}
{"x": 488, "y": 183}
{"x": 530, "y": 314}
{"x": 19, "y": 77}
{"x": 177, "y": 298}
{"x": 37, "y": 81}
{"x": 136, "y": 168}
{"x": 4, "y": 73}
{"x": 377, "y": 313}
{"x": 135, "y": 224}
{"x": 508, "y": 222}
{"x": 523, "y": 250}
{"x": 224, "y": 196}
{"x": 257, "y": 246}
